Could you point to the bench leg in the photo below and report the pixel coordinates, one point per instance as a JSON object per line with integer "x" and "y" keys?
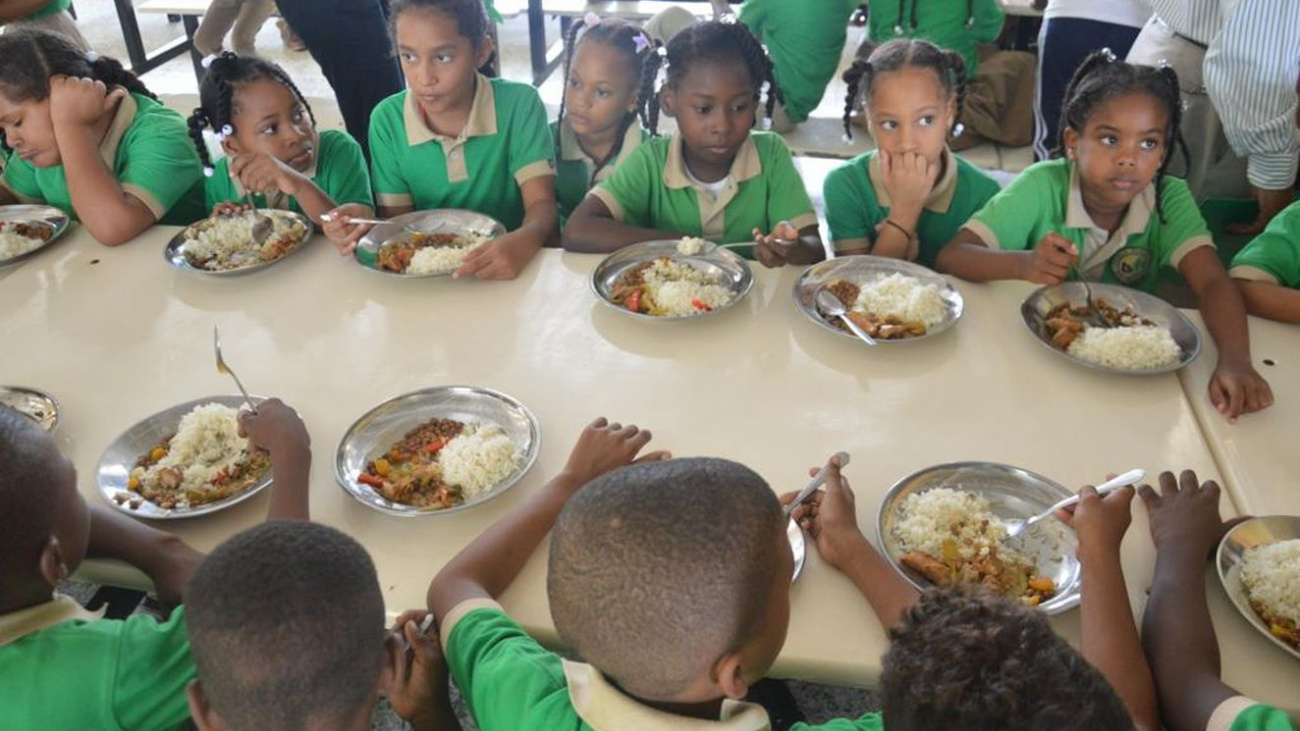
{"x": 191, "y": 23}
{"x": 131, "y": 33}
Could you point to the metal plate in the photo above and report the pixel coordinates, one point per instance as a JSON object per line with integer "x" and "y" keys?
{"x": 1232, "y": 549}
{"x": 1012, "y": 492}
{"x": 50, "y": 216}
{"x": 862, "y": 269}
{"x": 120, "y": 457}
{"x": 733, "y": 270}
{"x": 1036, "y": 306}
{"x": 442, "y": 220}
{"x": 175, "y": 251}
{"x": 798, "y": 547}
{"x": 36, "y": 405}
{"x": 371, "y": 435}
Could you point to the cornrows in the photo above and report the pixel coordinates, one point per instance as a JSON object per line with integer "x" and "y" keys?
{"x": 1100, "y": 78}
{"x": 715, "y": 41}
{"x": 217, "y": 95}
{"x": 900, "y": 53}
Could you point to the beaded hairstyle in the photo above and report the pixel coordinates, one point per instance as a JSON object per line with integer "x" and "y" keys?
{"x": 900, "y": 53}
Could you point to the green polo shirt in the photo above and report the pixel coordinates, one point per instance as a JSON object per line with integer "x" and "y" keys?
{"x": 805, "y": 40}
{"x": 573, "y": 167}
{"x": 943, "y": 23}
{"x": 1243, "y": 714}
{"x": 652, "y": 189}
{"x": 149, "y": 150}
{"x": 487, "y": 652}
{"x": 64, "y": 668}
{"x": 1274, "y": 256}
{"x": 505, "y": 143}
{"x": 1046, "y": 197}
{"x": 339, "y": 171}
{"x": 856, "y": 203}
{"x": 57, "y": 6}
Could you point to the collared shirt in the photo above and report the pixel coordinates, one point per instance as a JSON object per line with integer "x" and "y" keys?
{"x": 573, "y": 169}
{"x": 944, "y": 23}
{"x": 1046, "y": 198}
{"x": 1243, "y": 714}
{"x": 651, "y": 189}
{"x": 148, "y": 149}
{"x": 503, "y": 145}
{"x": 1274, "y": 255}
{"x": 857, "y": 203}
{"x": 339, "y": 170}
{"x": 805, "y": 40}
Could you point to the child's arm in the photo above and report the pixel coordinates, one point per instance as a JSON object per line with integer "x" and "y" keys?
{"x": 7, "y": 198}
{"x": 262, "y": 173}
{"x": 592, "y": 229}
{"x": 506, "y": 257}
{"x": 279, "y": 430}
{"x": 785, "y": 245}
{"x": 165, "y": 559}
{"x": 487, "y": 566}
{"x": 968, "y": 257}
{"x": 1273, "y": 301}
{"x": 1235, "y": 388}
{"x": 417, "y": 688}
{"x": 15, "y": 10}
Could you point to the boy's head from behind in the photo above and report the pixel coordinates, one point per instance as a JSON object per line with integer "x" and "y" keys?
{"x": 286, "y": 625}
{"x": 963, "y": 660}
{"x": 46, "y": 526}
{"x": 673, "y": 578}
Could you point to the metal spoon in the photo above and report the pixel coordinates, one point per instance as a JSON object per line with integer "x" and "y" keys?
{"x": 262, "y": 226}
{"x": 817, "y": 481}
{"x": 829, "y": 304}
{"x": 223, "y": 368}
{"x": 1095, "y": 316}
{"x": 1016, "y": 527}
{"x": 372, "y": 221}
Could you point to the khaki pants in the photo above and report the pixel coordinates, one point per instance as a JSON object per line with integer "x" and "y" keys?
{"x": 245, "y": 16}
{"x": 60, "y": 22}
{"x": 999, "y": 102}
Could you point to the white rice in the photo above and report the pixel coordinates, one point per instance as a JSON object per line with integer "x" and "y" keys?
{"x": 443, "y": 259}
{"x": 1271, "y": 575}
{"x": 675, "y": 287}
{"x": 14, "y": 244}
{"x": 226, "y": 242}
{"x": 206, "y": 442}
{"x": 944, "y": 515}
{"x": 478, "y": 458}
{"x": 903, "y": 297}
{"x": 691, "y": 245}
{"x": 1133, "y": 348}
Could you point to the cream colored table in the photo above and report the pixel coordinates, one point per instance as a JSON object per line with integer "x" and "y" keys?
{"x": 117, "y": 334}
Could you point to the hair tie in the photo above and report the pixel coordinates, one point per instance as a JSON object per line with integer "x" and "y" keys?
{"x": 208, "y": 171}
{"x": 898, "y": 29}
{"x": 662, "y": 51}
{"x": 970, "y": 21}
{"x": 207, "y": 60}
{"x": 1109, "y": 54}
{"x": 591, "y": 20}
{"x": 225, "y": 131}
{"x": 641, "y": 42}
{"x": 958, "y": 129}
{"x": 92, "y": 56}
{"x": 1163, "y": 64}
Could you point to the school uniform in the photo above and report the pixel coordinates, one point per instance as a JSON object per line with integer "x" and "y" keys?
{"x": 1243, "y": 714}
{"x": 805, "y": 41}
{"x": 952, "y": 24}
{"x": 575, "y": 170}
{"x": 1274, "y": 255}
{"x": 339, "y": 170}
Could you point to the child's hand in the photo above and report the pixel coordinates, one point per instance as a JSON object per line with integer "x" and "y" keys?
{"x": 502, "y": 258}
{"x": 275, "y": 428}
{"x": 262, "y": 173}
{"x": 1050, "y": 261}
{"x": 603, "y": 447}
{"x": 1184, "y": 516}
{"x": 1237, "y": 389}
{"x": 171, "y": 579}
{"x": 773, "y": 250}
{"x": 908, "y": 179}
{"x": 229, "y": 208}
{"x": 339, "y": 229}
{"x": 419, "y": 684}
{"x": 1100, "y": 522}
{"x": 830, "y": 517}
{"x": 81, "y": 102}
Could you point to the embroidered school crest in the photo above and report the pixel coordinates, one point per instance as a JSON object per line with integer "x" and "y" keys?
{"x": 1130, "y": 265}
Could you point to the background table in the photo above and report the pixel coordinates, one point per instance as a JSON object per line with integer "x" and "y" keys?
{"x": 117, "y": 335}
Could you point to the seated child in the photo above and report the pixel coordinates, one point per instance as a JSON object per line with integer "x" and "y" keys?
{"x": 275, "y": 156}
{"x": 285, "y": 625}
{"x": 911, "y": 195}
{"x": 1268, "y": 269}
{"x": 1107, "y": 212}
{"x": 88, "y": 138}
{"x": 65, "y": 667}
{"x": 714, "y": 178}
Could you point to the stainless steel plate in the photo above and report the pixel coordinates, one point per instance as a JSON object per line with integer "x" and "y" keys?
{"x": 1036, "y": 306}
{"x": 442, "y": 220}
{"x": 371, "y": 435}
{"x": 1243, "y": 537}
{"x": 55, "y": 219}
{"x": 36, "y": 405}
{"x": 120, "y": 457}
{"x": 798, "y": 547}
{"x": 733, "y": 270}
{"x": 176, "y": 248}
{"x": 1012, "y": 492}
{"x": 863, "y": 269}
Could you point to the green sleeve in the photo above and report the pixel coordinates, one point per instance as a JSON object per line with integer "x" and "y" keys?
{"x": 787, "y": 197}
{"x": 869, "y": 722}
{"x": 1260, "y": 717}
{"x": 630, "y": 186}
{"x": 1277, "y": 249}
{"x": 20, "y": 179}
{"x": 153, "y": 669}
{"x": 218, "y": 187}
{"x": 989, "y": 19}
{"x": 387, "y": 140}
{"x": 1015, "y": 215}
{"x": 530, "y": 138}
{"x": 754, "y": 14}
{"x": 157, "y": 160}
{"x": 343, "y": 174}
{"x": 1182, "y": 220}
{"x": 848, "y": 212}
{"x": 501, "y": 672}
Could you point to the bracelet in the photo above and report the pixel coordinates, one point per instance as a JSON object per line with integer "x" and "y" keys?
{"x": 901, "y": 230}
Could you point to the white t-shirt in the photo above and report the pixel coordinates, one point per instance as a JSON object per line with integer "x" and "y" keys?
{"x": 1132, "y": 13}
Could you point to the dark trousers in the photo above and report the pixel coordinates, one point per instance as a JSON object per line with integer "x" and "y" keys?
{"x": 349, "y": 39}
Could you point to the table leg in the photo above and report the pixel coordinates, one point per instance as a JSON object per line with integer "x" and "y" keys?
{"x": 191, "y": 23}
{"x": 131, "y": 33}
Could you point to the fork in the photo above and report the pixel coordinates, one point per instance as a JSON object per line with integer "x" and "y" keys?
{"x": 373, "y": 222}
{"x": 1095, "y": 316}
{"x": 223, "y": 368}
{"x": 262, "y": 225}
{"x": 1132, "y": 477}
{"x": 816, "y": 482}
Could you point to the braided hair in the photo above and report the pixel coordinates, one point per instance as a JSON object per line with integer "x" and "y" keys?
{"x": 902, "y": 53}
{"x": 715, "y": 41}
{"x": 216, "y": 108}
{"x": 621, "y": 35}
{"x": 899, "y": 29}
{"x": 470, "y": 15}
{"x": 29, "y": 57}
{"x": 1100, "y": 78}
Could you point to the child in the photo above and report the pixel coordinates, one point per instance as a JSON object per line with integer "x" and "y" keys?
{"x": 911, "y": 196}
{"x": 246, "y": 17}
{"x": 456, "y": 139}
{"x": 284, "y": 622}
{"x": 87, "y": 137}
{"x": 64, "y": 667}
{"x": 1109, "y": 210}
{"x": 1176, "y": 627}
{"x": 714, "y": 178}
{"x": 269, "y": 134}
{"x": 610, "y": 68}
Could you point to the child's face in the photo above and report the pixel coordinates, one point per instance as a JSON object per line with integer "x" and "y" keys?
{"x": 268, "y": 118}
{"x": 714, "y": 107}
{"x": 911, "y": 112}
{"x": 601, "y": 90}
{"x": 439, "y": 63}
{"x": 29, "y": 131}
{"x": 1120, "y": 149}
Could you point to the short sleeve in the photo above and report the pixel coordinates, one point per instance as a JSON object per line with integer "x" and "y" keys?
{"x": 532, "y": 149}
{"x": 626, "y": 193}
{"x": 787, "y": 197}
{"x": 1243, "y": 714}
{"x": 868, "y": 722}
{"x": 754, "y": 15}
{"x": 1274, "y": 255}
{"x": 988, "y": 20}
{"x": 153, "y": 668}
{"x": 158, "y": 163}
{"x": 1008, "y": 221}
{"x": 850, "y": 216}
{"x": 20, "y": 180}
{"x": 387, "y": 141}
{"x": 343, "y": 169}
{"x": 1183, "y": 228}
{"x": 218, "y": 187}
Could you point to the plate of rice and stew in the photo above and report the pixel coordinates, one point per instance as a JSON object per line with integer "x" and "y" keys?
{"x": 437, "y": 451}
{"x": 945, "y": 526}
{"x": 895, "y": 301}
{"x": 27, "y": 229}
{"x": 1145, "y": 335}
{"x": 226, "y": 245}
{"x": 680, "y": 279}
{"x": 1258, "y": 563}
{"x": 436, "y": 248}
{"x": 182, "y": 462}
